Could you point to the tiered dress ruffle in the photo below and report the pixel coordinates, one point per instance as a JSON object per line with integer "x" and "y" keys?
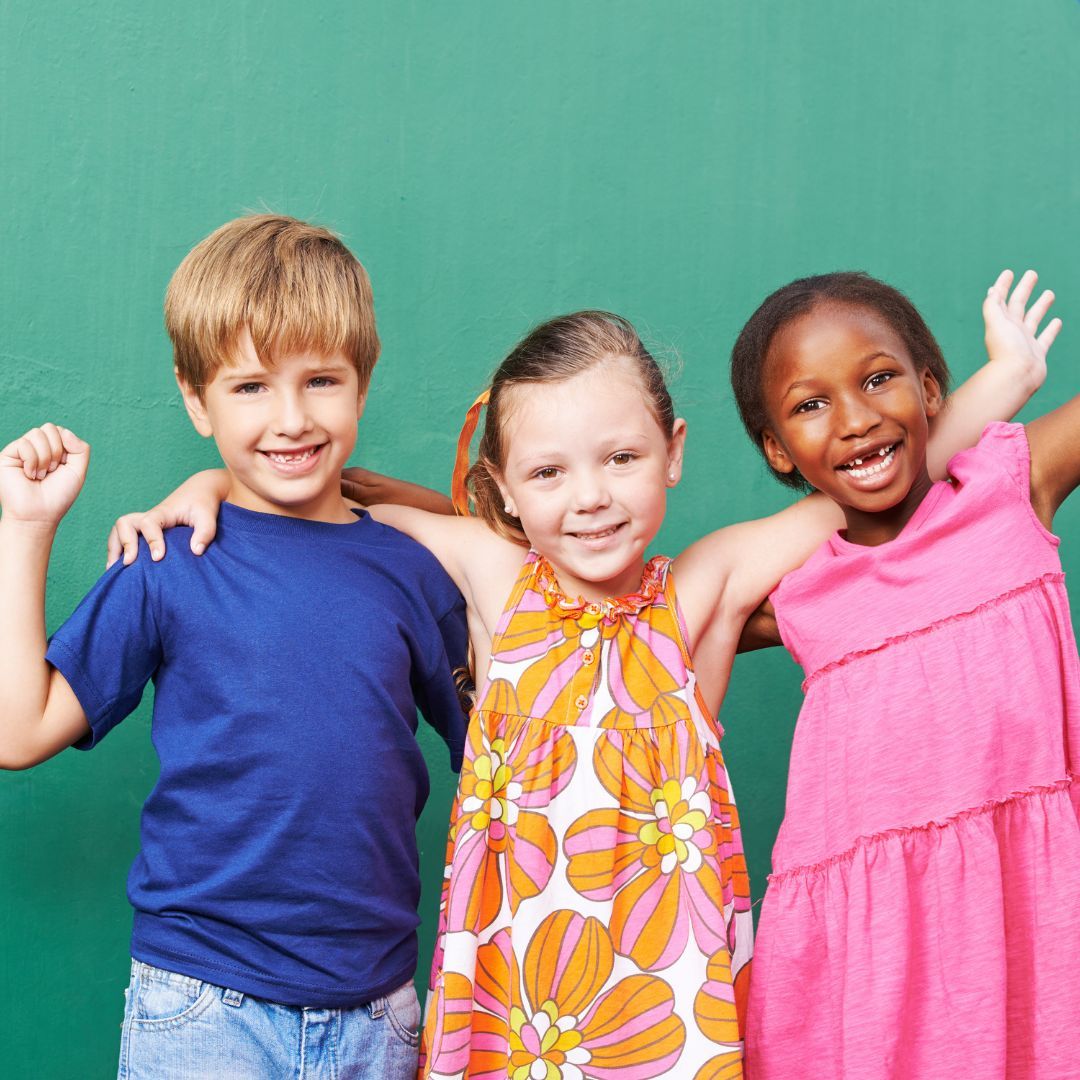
{"x": 923, "y": 917}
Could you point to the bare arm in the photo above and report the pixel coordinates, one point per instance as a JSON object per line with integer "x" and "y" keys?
{"x": 1055, "y": 459}
{"x": 760, "y": 630}
{"x": 40, "y": 477}
{"x": 196, "y": 501}
{"x": 373, "y": 489}
{"x": 1016, "y": 368}
{"x": 734, "y": 569}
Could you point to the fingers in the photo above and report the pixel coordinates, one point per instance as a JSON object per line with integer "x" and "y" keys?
{"x": 153, "y": 534}
{"x": 1048, "y": 336}
{"x": 1038, "y": 310}
{"x": 352, "y": 490}
{"x": 127, "y": 536}
{"x": 1022, "y": 293}
{"x": 1000, "y": 289}
{"x": 202, "y": 532}
{"x": 41, "y": 450}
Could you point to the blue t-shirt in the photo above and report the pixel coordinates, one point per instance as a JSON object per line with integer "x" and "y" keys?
{"x": 278, "y": 850}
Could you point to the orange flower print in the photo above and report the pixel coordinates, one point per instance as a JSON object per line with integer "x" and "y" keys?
{"x": 501, "y": 839}
{"x": 656, "y": 857}
{"x": 559, "y": 1017}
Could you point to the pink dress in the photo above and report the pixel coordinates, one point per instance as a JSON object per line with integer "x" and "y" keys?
{"x": 923, "y": 915}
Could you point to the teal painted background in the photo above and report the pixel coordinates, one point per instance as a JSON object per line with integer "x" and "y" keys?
{"x": 492, "y": 164}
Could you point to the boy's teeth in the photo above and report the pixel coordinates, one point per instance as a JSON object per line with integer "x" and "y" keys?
{"x": 289, "y": 459}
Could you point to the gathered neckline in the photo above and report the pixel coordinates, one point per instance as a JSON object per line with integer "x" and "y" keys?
{"x": 610, "y": 608}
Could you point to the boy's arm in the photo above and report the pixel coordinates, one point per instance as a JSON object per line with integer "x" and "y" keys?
{"x": 1054, "y": 440}
{"x": 40, "y": 477}
{"x": 1015, "y": 370}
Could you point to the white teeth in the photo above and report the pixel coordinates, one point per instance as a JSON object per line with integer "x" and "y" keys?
{"x": 886, "y": 458}
{"x": 291, "y": 459}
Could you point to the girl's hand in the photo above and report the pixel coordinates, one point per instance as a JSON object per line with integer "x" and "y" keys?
{"x": 41, "y": 475}
{"x": 194, "y": 503}
{"x": 1012, "y": 328}
{"x": 372, "y": 489}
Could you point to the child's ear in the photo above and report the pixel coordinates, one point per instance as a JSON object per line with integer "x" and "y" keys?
{"x": 931, "y": 393}
{"x": 509, "y": 506}
{"x": 775, "y": 454}
{"x": 676, "y": 448}
{"x": 196, "y": 407}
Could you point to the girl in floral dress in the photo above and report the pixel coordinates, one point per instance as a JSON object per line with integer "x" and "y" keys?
{"x": 595, "y": 917}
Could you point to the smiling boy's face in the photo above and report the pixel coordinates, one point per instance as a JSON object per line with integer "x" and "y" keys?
{"x": 284, "y": 432}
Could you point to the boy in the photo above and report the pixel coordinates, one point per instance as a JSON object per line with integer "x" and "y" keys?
{"x": 276, "y": 887}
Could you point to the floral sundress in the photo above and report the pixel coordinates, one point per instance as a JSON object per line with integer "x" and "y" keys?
{"x": 595, "y": 917}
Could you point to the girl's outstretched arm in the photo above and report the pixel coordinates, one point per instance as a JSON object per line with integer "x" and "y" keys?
{"x": 1016, "y": 368}
{"x": 1054, "y": 440}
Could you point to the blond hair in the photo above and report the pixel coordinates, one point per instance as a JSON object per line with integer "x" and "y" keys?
{"x": 552, "y": 352}
{"x": 294, "y": 287}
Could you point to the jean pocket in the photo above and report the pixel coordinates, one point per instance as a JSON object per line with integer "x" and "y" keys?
{"x": 403, "y": 1011}
{"x": 160, "y": 998}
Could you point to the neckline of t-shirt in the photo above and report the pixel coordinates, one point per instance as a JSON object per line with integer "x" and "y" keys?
{"x": 841, "y": 545}
{"x": 255, "y": 521}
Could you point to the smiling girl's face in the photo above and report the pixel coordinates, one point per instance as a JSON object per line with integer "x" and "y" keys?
{"x": 848, "y": 408}
{"x": 587, "y": 468}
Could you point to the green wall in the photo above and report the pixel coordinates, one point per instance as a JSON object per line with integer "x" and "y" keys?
{"x": 492, "y": 164}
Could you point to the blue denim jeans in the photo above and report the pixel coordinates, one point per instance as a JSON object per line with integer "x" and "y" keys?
{"x": 177, "y": 1028}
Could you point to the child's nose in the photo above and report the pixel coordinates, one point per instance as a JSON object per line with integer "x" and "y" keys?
{"x": 858, "y": 416}
{"x": 292, "y": 418}
{"x": 590, "y": 493}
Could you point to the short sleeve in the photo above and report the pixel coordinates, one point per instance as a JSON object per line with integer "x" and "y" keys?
{"x": 110, "y": 648}
{"x": 440, "y": 694}
{"x": 1003, "y": 447}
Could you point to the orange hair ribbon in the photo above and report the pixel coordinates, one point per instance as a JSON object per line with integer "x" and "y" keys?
{"x": 458, "y": 491}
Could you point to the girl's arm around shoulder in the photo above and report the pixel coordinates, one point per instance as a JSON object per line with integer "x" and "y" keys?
{"x": 725, "y": 576}
{"x": 1054, "y": 440}
{"x": 481, "y": 563}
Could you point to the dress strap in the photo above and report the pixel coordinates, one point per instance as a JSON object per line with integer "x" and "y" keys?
{"x": 525, "y": 577}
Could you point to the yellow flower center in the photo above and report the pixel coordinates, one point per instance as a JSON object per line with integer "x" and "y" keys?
{"x": 681, "y": 812}
{"x": 540, "y": 1044}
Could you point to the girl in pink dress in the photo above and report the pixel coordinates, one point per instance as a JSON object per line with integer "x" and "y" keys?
{"x": 923, "y": 915}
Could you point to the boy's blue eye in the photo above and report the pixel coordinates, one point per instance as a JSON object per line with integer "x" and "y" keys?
{"x": 321, "y": 381}
{"x": 248, "y": 388}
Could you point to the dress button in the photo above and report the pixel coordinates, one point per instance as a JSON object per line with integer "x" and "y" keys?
{"x": 587, "y": 657}
{"x": 593, "y": 609}
{"x": 580, "y": 701}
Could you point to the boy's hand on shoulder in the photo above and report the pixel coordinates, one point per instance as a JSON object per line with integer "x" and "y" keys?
{"x": 1012, "y": 328}
{"x": 41, "y": 475}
